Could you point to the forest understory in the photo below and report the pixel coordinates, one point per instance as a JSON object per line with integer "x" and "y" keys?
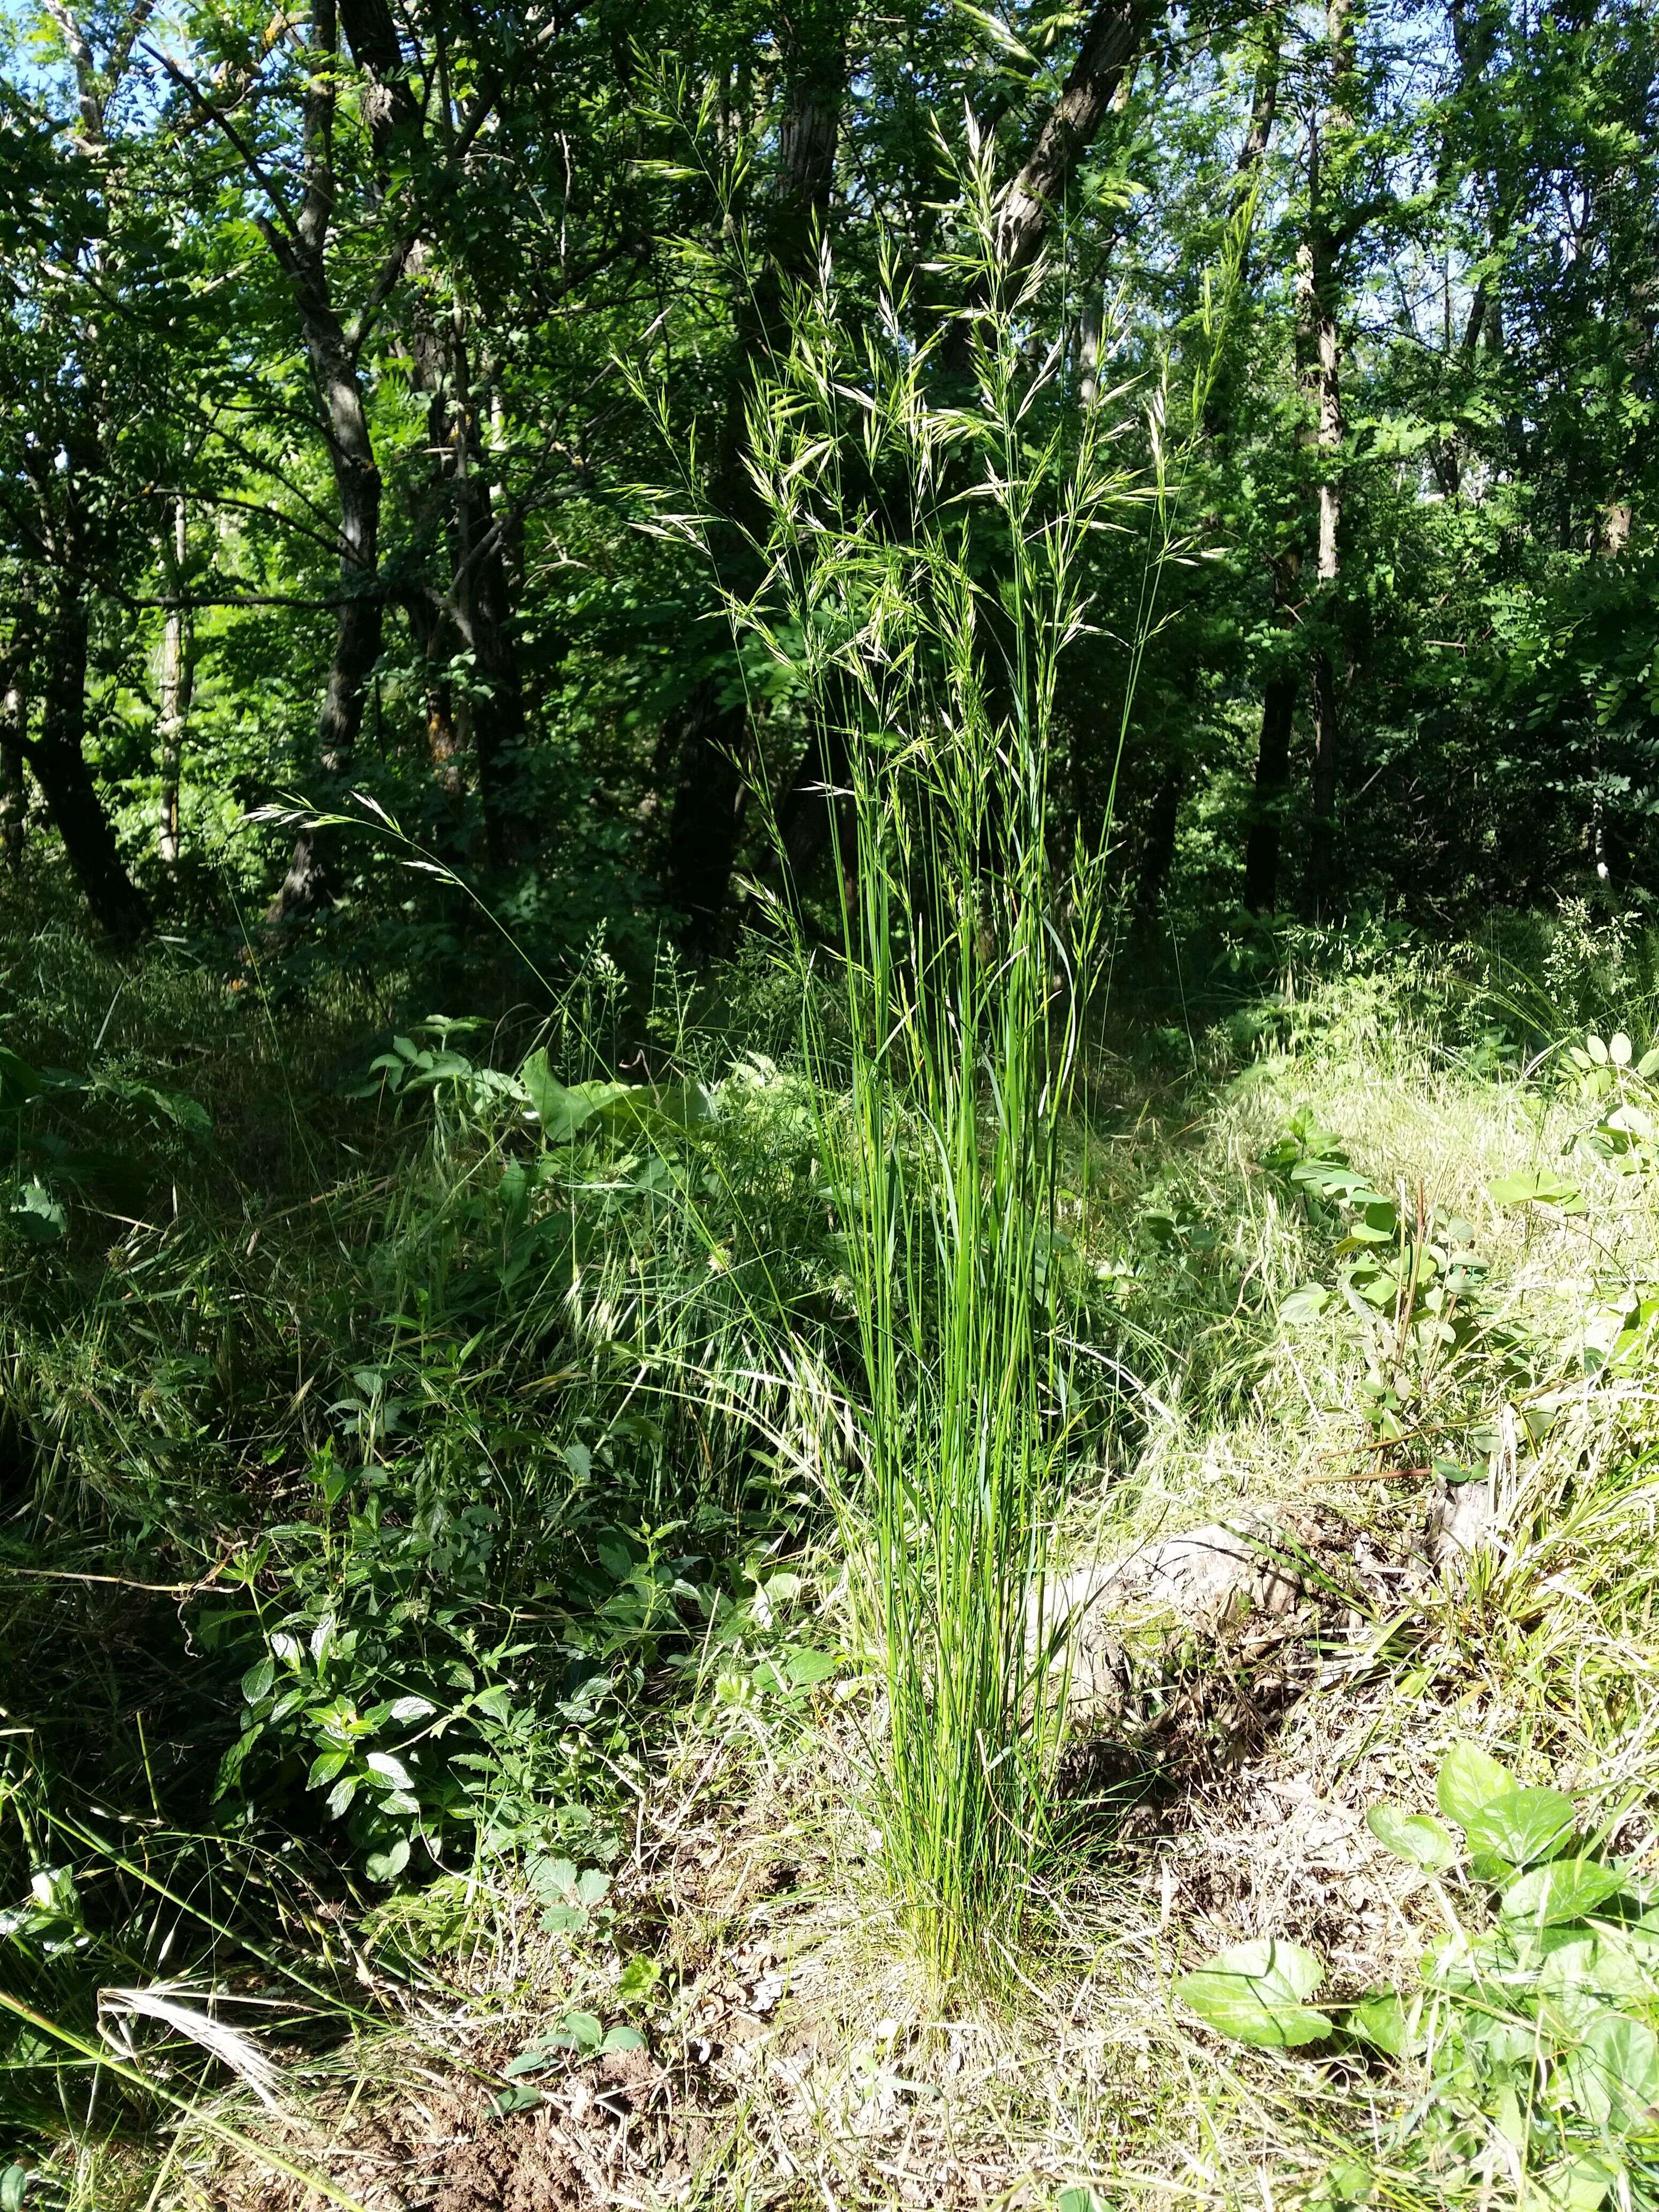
{"x": 829, "y": 1105}
{"x": 325, "y": 1464}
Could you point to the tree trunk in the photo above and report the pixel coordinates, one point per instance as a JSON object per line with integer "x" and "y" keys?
{"x": 1273, "y": 771}
{"x": 60, "y": 766}
{"x": 707, "y": 821}
{"x": 429, "y": 619}
{"x": 1098, "y": 84}
{"x": 1114, "y": 35}
{"x": 479, "y": 603}
{"x": 708, "y": 743}
{"x": 176, "y": 689}
{"x": 311, "y": 881}
{"x": 14, "y": 795}
{"x": 482, "y": 602}
{"x": 1279, "y": 691}
{"x": 301, "y": 253}
{"x": 1158, "y": 846}
{"x": 1317, "y": 281}
{"x": 806, "y": 815}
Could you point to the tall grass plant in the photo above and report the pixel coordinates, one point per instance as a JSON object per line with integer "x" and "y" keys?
{"x": 924, "y": 566}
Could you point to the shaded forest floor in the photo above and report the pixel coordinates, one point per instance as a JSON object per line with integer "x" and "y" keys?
{"x": 425, "y": 1629}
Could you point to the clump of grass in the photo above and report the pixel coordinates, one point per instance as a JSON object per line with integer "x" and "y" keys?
{"x": 925, "y": 570}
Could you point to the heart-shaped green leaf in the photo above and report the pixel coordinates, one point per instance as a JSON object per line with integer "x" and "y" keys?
{"x": 1469, "y": 1778}
{"x": 1614, "y": 2073}
{"x": 1418, "y": 1838}
{"x": 387, "y": 1866}
{"x": 1385, "y": 2022}
{"x": 804, "y": 1667}
{"x": 1254, "y": 1992}
{"x": 1520, "y": 1826}
{"x": 1562, "y": 1889}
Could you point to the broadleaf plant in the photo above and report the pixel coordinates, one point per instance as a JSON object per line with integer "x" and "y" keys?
{"x": 1535, "y": 2027}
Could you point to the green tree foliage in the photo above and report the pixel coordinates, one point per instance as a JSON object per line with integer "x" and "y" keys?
{"x": 323, "y": 463}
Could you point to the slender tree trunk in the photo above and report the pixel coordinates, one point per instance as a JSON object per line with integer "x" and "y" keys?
{"x": 1158, "y": 846}
{"x": 58, "y": 760}
{"x": 1317, "y": 277}
{"x": 480, "y": 600}
{"x": 176, "y": 689}
{"x": 1279, "y": 696}
{"x": 1097, "y": 84}
{"x": 705, "y": 822}
{"x": 483, "y": 600}
{"x": 14, "y": 795}
{"x": 429, "y": 620}
{"x": 301, "y": 253}
{"x": 709, "y": 740}
{"x": 1273, "y": 771}
{"x": 1111, "y": 40}
{"x": 78, "y": 540}
{"x": 311, "y": 882}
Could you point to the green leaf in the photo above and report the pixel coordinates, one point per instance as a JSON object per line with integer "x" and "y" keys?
{"x": 516, "y": 2096}
{"x": 623, "y": 2039}
{"x": 1613, "y": 2073}
{"x": 1519, "y": 1826}
{"x": 563, "y": 1919}
{"x": 1565, "y": 1889}
{"x": 1349, "y": 2181}
{"x": 1303, "y": 1305}
{"x": 591, "y": 1886}
{"x": 584, "y": 2031}
{"x": 387, "y": 1866}
{"x": 682, "y": 1106}
{"x": 37, "y": 1214}
{"x": 562, "y": 1111}
{"x": 390, "y": 1771}
{"x": 1418, "y": 1838}
{"x": 14, "y": 2181}
{"x": 1385, "y": 2022}
{"x": 1602, "y": 1965}
{"x": 1469, "y": 1778}
{"x": 1458, "y": 1472}
{"x": 1582, "y": 2187}
{"x": 552, "y": 1878}
{"x": 18, "y": 1081}
{"x": 804, "y": 1667}
{"x": 257, "y": 1679}
{"x": 1539, "y": 1187}
{"x": 1254, "y": 1992}
{"x": 638, "y": 1979}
